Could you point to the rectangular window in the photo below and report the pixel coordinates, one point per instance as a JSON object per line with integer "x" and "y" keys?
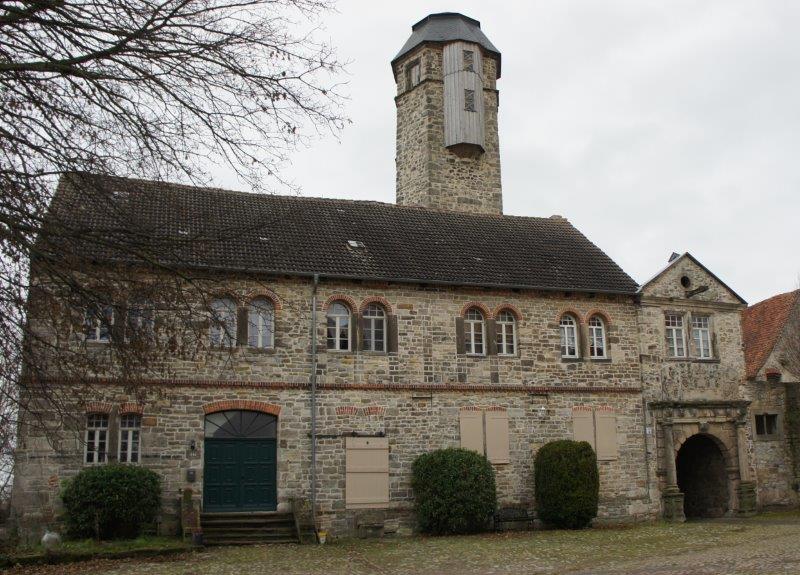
{"x": 413, "y": 74}
{"x": 469, "y": 100}
{"x": 485, "y": 432}
{"x": 676, "y": 344}
{"x": 599, "y": 429}
{"x": 367, "y": 472}
{"x": 96, "y": 438}
{"x": 701, "y": 333}
{"x": 766, "y": 425}
{"x": 129, "y": 433}
{"x": 469, "y": 60}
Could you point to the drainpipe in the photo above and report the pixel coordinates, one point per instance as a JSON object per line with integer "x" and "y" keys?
{"x": 314, "y": 401}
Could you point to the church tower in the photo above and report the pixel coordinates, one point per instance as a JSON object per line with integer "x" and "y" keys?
{"x": 448, "y": 153}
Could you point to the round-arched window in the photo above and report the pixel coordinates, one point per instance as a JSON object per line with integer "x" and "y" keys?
{"x": 240, "y": 424}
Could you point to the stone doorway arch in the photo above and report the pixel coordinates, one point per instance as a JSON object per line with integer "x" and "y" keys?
{"x": 702, "y": 476}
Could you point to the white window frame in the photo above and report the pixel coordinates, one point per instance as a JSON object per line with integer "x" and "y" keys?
{"x": 597, "y": 334}
{"x": 338, "y": 313}
{"x": 96, "y": 435}
{"x": 701, "y": 335}
{"x": 568, "y": 328}
{"x": 130, "y": 433}
{"x": 374, "y": 317}
{"x": 261, "y": 323}
{"x": 675, "y": 334}
{"x": 506, "y": 321}
{"x": 223, "y": 328}
{"x": 93, "y": 325}
{"x": 474, "y": 326}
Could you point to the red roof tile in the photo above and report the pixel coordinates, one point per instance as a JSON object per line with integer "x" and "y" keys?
{"x": 762, "y": 324}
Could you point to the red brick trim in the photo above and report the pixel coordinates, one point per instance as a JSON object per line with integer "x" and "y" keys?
{"x": 376, "y": 299}
{"x": 508, "y": 307}
{"x": 98, "y": 407}
{"x": 603, "y": 315}
{"x": 264, "y": 293}
{"x": 131, "y": 407}
{"x": 350, "y": 302}
{"x": 243, "y": 404}
{"x": 487, "y": 313}
{"x": 387, "y": 387}
{"x": 570, "y": 311}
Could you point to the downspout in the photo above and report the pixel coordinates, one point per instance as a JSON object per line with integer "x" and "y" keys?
{"x": 314, "y": 402}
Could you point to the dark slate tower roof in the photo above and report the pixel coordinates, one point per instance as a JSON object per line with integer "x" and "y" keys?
{"x": 448, "y": 27}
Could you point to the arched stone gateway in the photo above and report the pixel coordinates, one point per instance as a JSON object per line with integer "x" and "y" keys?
{"x": 702, "y": 477}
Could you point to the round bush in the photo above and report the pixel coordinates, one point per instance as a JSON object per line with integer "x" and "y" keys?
{"x": 111, "y": 501}
{"x": 567, "y": 484}
{"x": 454, "y": 491}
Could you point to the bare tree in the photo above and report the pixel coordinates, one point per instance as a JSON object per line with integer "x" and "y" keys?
{"x": 157, "y": 89}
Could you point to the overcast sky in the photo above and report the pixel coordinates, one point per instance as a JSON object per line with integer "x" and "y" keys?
{"x": 652, "y": 126}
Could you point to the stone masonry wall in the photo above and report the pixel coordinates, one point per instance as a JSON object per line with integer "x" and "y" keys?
{"x": 428, "y": 174}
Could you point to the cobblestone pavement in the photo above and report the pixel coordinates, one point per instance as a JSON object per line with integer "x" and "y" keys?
{"x": 768, "y": 544}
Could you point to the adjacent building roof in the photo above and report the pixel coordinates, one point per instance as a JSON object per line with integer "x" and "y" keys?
{"x": 762, "y": 325}
{"x": 447, "y": 27}
{"x": 209, "y": 228}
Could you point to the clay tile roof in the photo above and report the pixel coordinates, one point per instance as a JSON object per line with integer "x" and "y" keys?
{"x": 272, "y": 234}
{"x": 762, "y": 325}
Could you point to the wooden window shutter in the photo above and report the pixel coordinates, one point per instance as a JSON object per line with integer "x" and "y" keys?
{"x": 497, "y": 436}
{"x": 392, "y": 335}
{"x": 491, "y": 337}
{"x": 471, "y": 424}
{"x": 583, "y": 426}
{"x": 354, "y": 325}
{"x": 366, "y": 472}
{"x": 362, "y": 328}
{"x": 460, "y": 347}
{"x": 242, "y": 321}
{"x": 606, "y": 426}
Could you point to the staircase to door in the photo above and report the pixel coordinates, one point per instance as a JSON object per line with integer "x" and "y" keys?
{"x": 248, "y": 528}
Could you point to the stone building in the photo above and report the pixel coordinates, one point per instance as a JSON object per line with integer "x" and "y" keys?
{"x": 345, "y": 338}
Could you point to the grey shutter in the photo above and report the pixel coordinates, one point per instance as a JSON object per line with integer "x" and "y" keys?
{"x": 241, "y": 326}
{"x": 460, "y": 348}
{"x": 354, "y": 323}
{"x": 491, "y": 337}
{"x": 362, "y": 328}
{"x": 391, "y": 336}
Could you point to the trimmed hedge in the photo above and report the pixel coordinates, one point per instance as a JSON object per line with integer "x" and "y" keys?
{"x": 454, "y": 491}
{"x": 567, "y": 484}
{"x": 111, "y": 501}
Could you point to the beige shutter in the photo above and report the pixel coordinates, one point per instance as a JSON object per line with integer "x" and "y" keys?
{"x": 497, "y": 436}
{"x": 606, "y": 423}
{"x": 367, "y": 472}
{"x": 583, "y": 426}
{"x": 471, "y": 430}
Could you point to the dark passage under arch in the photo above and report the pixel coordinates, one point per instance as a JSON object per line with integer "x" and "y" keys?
{"x": 702, "y": 478}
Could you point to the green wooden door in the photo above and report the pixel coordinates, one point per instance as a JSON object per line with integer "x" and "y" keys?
{"x": 240, "y": 471}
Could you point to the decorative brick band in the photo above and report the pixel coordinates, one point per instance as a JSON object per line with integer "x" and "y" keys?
{"x": 444, "y": 388}
{"x": 98, "y": 407}
{"x": 131, "y": 408}
{"x": 242, "y": 404}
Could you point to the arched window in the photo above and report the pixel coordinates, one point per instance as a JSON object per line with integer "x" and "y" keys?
{"x": 597, "y": 337}
{"x": 506, "y": 333}
{"x": 474, "y": 331}
{"x": 569, "y": 336}
{"x": 261, "y": 323}
{"x": 374, "y": 322}
{"x": 223, "y": 322}
{"x": 339, "y": 327}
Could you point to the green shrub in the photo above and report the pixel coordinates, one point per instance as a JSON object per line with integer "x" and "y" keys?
{"x": 111, "y": 501}
{"x": 567, "y": 484}
{"x": 454, "y": 491}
